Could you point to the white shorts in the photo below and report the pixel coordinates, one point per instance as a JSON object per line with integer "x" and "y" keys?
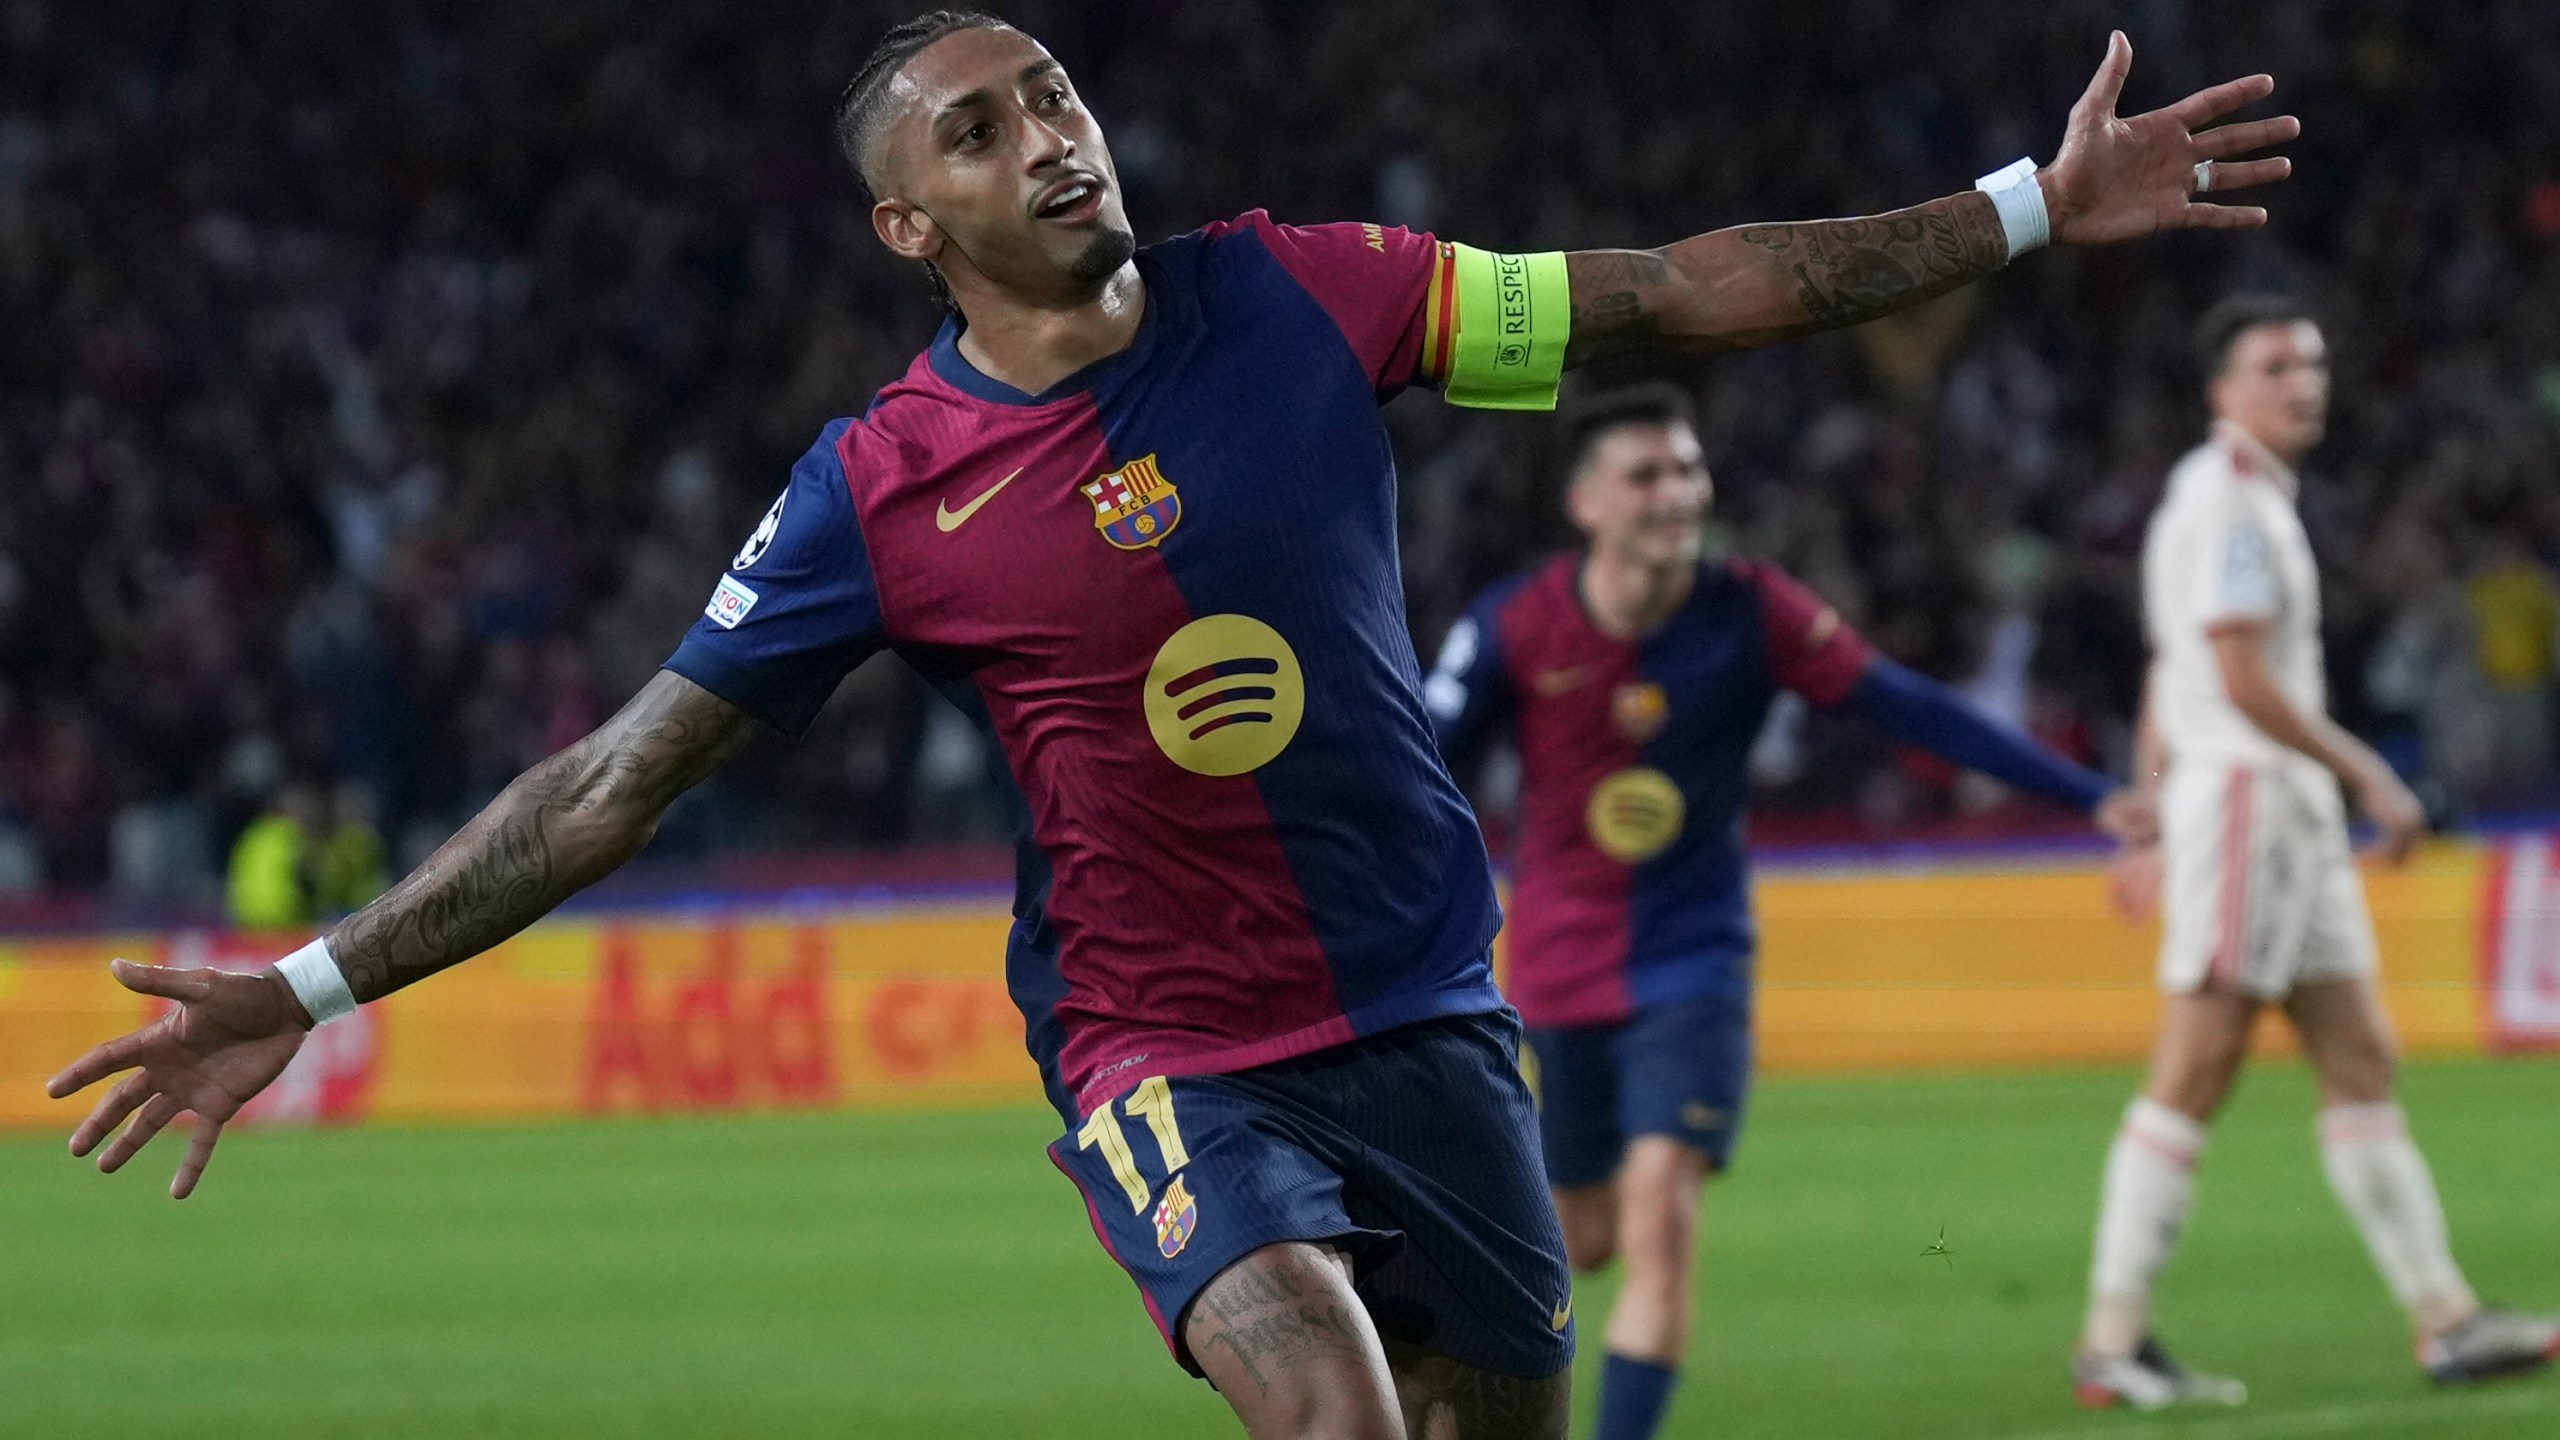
{"x": 2258, "y": 887}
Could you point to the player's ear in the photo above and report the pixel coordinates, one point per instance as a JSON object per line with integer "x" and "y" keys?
{"x": 906, "y": 229}
{"x": 2214, "y": 389}
{"x": 1577, "y": 499}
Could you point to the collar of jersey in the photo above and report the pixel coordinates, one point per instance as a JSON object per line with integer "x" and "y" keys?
{"x": 1571, "y": 566}
{"x": 2286, "y": 481}
{"x": 955, "y": 368}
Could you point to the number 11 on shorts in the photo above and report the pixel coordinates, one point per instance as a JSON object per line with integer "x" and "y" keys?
{"x": 1152, "y": 1101}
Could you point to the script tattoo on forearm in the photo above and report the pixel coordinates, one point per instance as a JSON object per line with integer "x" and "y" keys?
{"x": 561, "y": 826}
{"x": 1753, "y": 284}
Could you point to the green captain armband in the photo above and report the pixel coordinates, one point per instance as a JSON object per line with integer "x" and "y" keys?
{"x": 1514, "y": 314}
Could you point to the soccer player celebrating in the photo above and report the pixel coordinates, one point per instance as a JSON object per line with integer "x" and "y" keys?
{"x": 1134, "y": 511}
{"x": 2262, "y": 902}
{"x": 1637, "y": 677}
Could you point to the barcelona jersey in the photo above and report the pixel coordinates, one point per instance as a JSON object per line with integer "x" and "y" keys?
{"x": 1633, "y": 886}
{"x": 1167, "y": 590}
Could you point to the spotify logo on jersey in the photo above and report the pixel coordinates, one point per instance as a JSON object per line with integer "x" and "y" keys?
{"x": 1635, "y": 814}
{"x": 1225, "y": 695}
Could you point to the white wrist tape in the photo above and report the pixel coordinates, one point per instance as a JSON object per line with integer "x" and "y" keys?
{"x": 2020, "y": 201}
{"x": 316, "y": 982}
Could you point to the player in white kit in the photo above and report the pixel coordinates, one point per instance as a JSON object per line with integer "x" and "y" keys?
{"x": 2260, "y": 893}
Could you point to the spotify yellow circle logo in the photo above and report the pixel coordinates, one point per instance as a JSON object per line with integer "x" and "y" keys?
{"x": 1225, "y": 695}
{"x": 1635, "y": 814}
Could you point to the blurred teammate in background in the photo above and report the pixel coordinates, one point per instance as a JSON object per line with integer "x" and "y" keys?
{"x": 2263, "y": 905}
{"x": 1134, "y": 511}
{"x": 1636, "y": 677}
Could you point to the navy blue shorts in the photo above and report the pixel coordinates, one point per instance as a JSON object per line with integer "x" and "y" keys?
{"x": 1681, "y": 1069}
{"x": 1412, "y": 1151}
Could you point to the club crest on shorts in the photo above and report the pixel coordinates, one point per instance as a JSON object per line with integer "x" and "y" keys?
{"x": 1699, "y": 1115}
{"x": 1177, "y": 1215}
{"x": 1134, "y": 506}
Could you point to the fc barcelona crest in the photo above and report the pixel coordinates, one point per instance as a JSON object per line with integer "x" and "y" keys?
{"x": 1640, "y": 710}
{"x": 1134, "y": 506}
{"x": 1177, "y": 1215}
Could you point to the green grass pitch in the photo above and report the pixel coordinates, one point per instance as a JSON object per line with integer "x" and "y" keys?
{"x": 931, "y": 1275}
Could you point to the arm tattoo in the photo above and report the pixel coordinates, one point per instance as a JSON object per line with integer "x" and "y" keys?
{"x": 1846, "y": 271}
{"x": 1616, "y": 303}
{"x": 560, "y": 827}
{"x": 1756, "y": 283}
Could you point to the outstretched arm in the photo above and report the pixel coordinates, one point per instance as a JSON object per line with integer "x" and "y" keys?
{"x": 2114, "y": 178}
{"x": 562, "y": 825}
{"x": 1752, "y": 284}
{"x": 1921, "y": 712}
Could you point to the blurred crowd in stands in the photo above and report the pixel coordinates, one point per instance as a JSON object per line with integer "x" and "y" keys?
{"x": 382, "y": 386}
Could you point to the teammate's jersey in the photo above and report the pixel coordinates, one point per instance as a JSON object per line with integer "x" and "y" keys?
{"x": 1167, "y": 589}
{"x": 1632, "y": 885}
{"x": 2226, "y": 546}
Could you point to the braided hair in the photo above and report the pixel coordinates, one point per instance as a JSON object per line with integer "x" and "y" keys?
{"x": 863, "y": 107}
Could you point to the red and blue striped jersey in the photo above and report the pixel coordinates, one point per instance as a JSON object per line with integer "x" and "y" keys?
{"x": 1167, "y": 588}
{"x": 1631, "y": 885}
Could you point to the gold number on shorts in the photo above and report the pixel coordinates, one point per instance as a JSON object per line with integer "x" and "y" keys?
{"x": 1153, "y": 1099}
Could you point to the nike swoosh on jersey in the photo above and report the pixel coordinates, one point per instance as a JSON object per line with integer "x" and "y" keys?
{"x": 1563, "y": 1313}
{"x": 947, "y": 519}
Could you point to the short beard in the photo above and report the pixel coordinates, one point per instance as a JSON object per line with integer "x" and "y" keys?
{"x": 1103, "y": 256}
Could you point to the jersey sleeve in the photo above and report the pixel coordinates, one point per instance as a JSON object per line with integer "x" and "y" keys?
{"x": 1919, "y": 711}
{"x": 1390, "y": 292}
{"x": 799, "y": 606}
{"x": 1812, "y": 651}
{"x": 1469, "y": 689}
{"x": 2236, "y": 571}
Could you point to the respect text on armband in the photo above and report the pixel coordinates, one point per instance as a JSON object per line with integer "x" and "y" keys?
{"x": 1511, "y": 305}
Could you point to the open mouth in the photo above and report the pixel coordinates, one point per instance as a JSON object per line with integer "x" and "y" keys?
{"x": 1071, "y": 201}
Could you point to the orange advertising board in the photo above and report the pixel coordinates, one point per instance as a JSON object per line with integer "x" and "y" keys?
{"x": 1956, "y": 968}
{"x": 905, "y": 1006}
{"x": 594, "y": 1017}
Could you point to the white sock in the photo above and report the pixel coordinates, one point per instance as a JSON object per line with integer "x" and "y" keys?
{"x": 2384, "y": 1183}
{"x": 2143, "y": 1205}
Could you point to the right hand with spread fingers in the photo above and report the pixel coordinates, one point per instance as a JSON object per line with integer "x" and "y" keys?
{"x": 227, "y": 1038}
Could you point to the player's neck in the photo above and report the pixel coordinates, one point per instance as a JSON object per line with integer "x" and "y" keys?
{"x": 1628, "y": 598}
{"x": 2290, "y": 459}
{"x": 1031, "y": 345}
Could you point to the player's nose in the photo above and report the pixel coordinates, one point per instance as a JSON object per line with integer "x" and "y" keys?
{"x": 1045, "y": 145}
